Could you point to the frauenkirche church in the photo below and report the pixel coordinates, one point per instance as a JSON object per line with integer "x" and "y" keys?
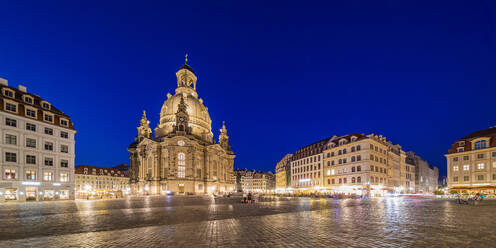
{"x": 182, "y": 157}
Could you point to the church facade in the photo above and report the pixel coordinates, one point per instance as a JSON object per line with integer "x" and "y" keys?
{"x": 181, "y": 157}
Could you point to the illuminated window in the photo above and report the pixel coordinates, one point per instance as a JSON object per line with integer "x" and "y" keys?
{"x": 181, "y": 159}
{"x": 10, "y": 173}
{"x": 455, "y": 168}
{"x": 30, "y": 175}
{"x": 181, "y": 171}
{"x": 332, "y": 172}
{"x": 328, "y": 172}
{"x": 64, "y": 177}
{"x": 465, "y": 167}
{"x": 48, "y": 176}
{"x": 480, "y": 166}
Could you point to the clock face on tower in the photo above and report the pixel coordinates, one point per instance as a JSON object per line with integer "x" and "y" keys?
{"x": 181, "y": 119}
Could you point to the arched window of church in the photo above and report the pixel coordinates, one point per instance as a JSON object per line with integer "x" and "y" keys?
{"x": 181, "y": 159}
{"x": 150, "y": 166}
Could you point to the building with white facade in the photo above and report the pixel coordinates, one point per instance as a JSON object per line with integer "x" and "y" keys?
{"x": 36, "y": 147}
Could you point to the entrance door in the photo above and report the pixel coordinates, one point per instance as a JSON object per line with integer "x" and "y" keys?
{"x": 181, "y": 188}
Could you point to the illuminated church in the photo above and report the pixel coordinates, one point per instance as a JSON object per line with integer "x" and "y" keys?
{"x": 182, "y": 157}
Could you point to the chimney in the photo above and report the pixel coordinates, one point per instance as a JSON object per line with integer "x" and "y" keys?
{"x": 22, "y": 88}
{"x": 4, "y": 81}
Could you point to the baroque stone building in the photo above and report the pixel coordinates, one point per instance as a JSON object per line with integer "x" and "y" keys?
{"x": 182, "y": 157}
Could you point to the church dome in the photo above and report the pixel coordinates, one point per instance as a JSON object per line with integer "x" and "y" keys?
{"x": 199, "y": 118}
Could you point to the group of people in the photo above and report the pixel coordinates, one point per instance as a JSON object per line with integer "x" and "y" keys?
{"x": 249, "y": 198}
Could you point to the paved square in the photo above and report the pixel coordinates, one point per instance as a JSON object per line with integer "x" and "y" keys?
{"x": 278, "y": 222}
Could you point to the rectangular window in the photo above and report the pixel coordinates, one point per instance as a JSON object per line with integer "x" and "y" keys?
{"x": 10, "y": 174}
{"x": 10, "y": 139}
{"x": 49, "y": 161}
{"x": 48, "y": 118}
{"x": 465, "y": 178}
{"x": 455, "y": 168}
{"x": 30, "y": 159}
{"x": 181, "y": 171}
{"x": 64, "y": 148}
{"x": 64, "y": 135}
{"x": 64, "y": 123}
{"x": 48, "y": 131}
{"x": 480, "y": 155}
{"x": 30, "y": 175}
{"x": 11, "y": 107}
{"x": 9, "y": 93}
{"x": 455, "y": 159}
{"x": 465, "y": 157}
{"x": 31, "y": 127}
{"x": 31, "y": 113}
{"x": 480, "y": 177}
{"x": 64, "y": 163}
{"x": 30, "y": 143}
{"x": 455, "y": 179}
{"x": 64, "y": 177}
{"x": 10, "y": 122}
{"x": 465, "y": 167}
{"x": 48, "y": 176}
{"x": 10, "y": 157}
{"x": 480, "y": 166}
{"x": 49, "y": 146}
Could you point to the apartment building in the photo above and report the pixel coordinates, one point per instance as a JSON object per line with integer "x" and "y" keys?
{"x": 36, "y": 147}
{"x": 471, "y": 162}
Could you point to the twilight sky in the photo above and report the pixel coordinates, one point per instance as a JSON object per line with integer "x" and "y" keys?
{"x": 281, "y": 74}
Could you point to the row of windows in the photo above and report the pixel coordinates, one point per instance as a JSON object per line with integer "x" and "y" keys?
{"x": 10, "y": 174}
{"x": 27, "y": 98}
{"x": 345, "y": 180}
{"x": 340, "y": 152}
{"x": 31, "y": 143}
{"x": 479, "y": 166}
{"x": 306, "y": 168}
{"x": 32, "y": 113}
{"x": 344, "y": 160}
{"x": 31, "y": 159}
{"x": 479, "y": 156}
{"x": 32, "y": 127}
{"x": 307, "y": 160}
{"x": 467, "y": 178}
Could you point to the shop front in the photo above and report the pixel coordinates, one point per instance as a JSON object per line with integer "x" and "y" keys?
{"x": 31, "y": 193}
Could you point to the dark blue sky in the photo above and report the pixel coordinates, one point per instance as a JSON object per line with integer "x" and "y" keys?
{"x": 281, "y": 74}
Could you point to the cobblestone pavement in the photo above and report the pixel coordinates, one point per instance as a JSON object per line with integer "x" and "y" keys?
{"x": 278, "y": 222}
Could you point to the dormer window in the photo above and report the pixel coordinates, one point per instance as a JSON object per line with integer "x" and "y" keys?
{"x": 31, "y": 112}
{"x": 28, "y": 99}
{"x": 481, "y": 144}
{"x": 353, "y": 139}
{"x": 461, "y": 143}
{"x": 64, "y": 122}
{"x": 8, "y": 93}
{"x": 45, "y": 105}
{"x": 48, "y": 117}
{"x": 11, "y": 106}
{"x": 460, "y": 149}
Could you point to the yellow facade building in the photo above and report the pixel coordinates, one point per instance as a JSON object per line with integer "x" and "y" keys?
{"x": 283, "y": 173}
{"x": 471, "y": 162}
{"x": 366, "y": 165}
{"x": 93, "y": 181}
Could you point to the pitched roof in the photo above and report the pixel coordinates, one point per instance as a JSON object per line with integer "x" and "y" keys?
{"x": 482, "y": 133}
